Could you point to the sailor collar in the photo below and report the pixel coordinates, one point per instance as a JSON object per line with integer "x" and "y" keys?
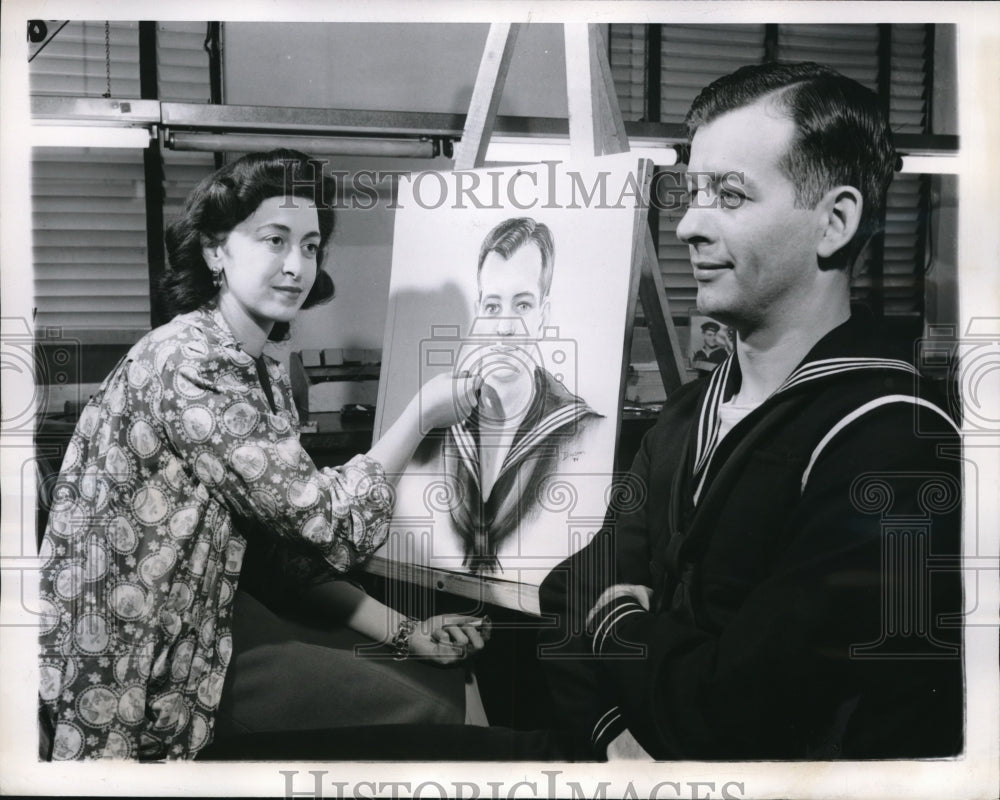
{"x": 819, "y": 364}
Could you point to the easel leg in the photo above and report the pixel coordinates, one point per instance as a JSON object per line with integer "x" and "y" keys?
{"x": 471, "y": 151}
{"x": 656, "y": 310}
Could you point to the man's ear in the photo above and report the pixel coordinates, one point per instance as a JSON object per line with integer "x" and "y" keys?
{"x": 841, "y": 214}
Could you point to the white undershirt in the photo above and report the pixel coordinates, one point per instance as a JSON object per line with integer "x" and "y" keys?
{"x": 730, "y": 414}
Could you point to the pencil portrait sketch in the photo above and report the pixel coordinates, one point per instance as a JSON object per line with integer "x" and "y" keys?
{"x": 533, "y": 303}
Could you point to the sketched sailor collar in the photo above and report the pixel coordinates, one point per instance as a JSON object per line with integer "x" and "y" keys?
{"x": 553, "y": 409}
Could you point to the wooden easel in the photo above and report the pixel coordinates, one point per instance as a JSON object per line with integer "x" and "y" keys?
{"x": 595, "y": 128}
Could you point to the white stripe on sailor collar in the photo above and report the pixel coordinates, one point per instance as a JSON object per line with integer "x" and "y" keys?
{"x": 467, "y": 450}
{"x": 465, "y": 447}
{"x": 546, "y": 426}
{"x": 708, "y": 422}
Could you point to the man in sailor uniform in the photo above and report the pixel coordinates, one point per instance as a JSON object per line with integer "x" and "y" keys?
{"x": 790, "y": 588}
{"x": 498, "y": 458}
{"x": 711, "y": 353}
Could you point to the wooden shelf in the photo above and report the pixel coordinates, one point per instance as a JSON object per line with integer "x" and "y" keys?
{"x": 343, "y": 372}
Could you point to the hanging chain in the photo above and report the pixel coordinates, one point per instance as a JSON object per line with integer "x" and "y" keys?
{"x": 107, "y": 55}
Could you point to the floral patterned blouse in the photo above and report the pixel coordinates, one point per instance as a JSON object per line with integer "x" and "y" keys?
{"x": 143, "y": 549}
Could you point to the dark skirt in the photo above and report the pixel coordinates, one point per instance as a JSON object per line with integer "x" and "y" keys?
{"x": 296, "y": 691}
{"x": 288, "y": 675}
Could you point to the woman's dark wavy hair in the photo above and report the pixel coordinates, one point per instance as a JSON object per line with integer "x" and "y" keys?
{"x": 842, "y": 134}
{"x": 221, "y": 202}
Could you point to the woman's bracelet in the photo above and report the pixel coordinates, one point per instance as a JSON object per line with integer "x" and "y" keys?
{"x": 400, "y": 642}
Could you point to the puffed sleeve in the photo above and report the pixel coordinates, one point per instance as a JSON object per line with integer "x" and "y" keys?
{"x": 249, "y": 457}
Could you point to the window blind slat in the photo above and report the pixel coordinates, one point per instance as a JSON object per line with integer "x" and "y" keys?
{"x": 105, "y": 270}
{"x": 125, "y": 292}
{"x": 100, "y": 255}
{"x": 97, "y": 321}
{"x": 111, "y": 205}
{"x": 93, "y": 84}
{"x": 72, "y": 233}
{"x": 715, "y": 35}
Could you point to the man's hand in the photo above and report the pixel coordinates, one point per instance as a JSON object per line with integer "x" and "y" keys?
{"x": 624, "y": 747}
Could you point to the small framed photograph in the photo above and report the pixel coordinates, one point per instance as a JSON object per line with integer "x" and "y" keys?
{"x": 710, "y": 343}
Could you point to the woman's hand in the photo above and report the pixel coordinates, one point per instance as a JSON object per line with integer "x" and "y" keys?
{"x": 443, "y": 401}
{"x": 446, "y": 400}
{"x": 448, "y": 638}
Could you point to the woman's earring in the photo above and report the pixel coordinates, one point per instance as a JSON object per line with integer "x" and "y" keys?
{"x": 216, "y": 278}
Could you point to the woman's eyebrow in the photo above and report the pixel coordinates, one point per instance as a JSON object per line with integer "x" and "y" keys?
{"x": 286, "y": 229}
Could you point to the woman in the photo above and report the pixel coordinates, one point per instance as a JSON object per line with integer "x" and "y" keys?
{"x": 189, "y": 451}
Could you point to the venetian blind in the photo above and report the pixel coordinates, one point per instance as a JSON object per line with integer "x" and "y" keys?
{"x": 182, "y": 70}
{"x": 88, "y": 204}
{"x": 853, "y": 50}
{"x": 627, "y": 54}
{"x": 691, "y": 58}
{"x": 906, "y": 223}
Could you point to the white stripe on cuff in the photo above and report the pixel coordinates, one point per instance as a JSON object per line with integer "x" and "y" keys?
{"x": 614, "y": 616}
{"x": 596, "y": 734}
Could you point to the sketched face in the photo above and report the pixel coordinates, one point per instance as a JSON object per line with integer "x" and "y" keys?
{"x": 511, "y": 313}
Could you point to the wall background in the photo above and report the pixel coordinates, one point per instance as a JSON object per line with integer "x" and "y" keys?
{"x": 384, "y": 67}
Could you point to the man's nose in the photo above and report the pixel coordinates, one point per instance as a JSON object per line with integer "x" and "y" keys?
{"x": 694, "y": 225}
{"x": 507, "y": 326}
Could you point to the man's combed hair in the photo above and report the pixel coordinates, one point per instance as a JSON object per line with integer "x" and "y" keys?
{"x": 511, "y": 235}
{"x": 221, "y": 202}
{"x": 842, "y": 133}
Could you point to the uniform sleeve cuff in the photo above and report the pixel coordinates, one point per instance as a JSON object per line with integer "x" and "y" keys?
{"x": 605, "y": 623}
{"x": 606, "y": 730}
